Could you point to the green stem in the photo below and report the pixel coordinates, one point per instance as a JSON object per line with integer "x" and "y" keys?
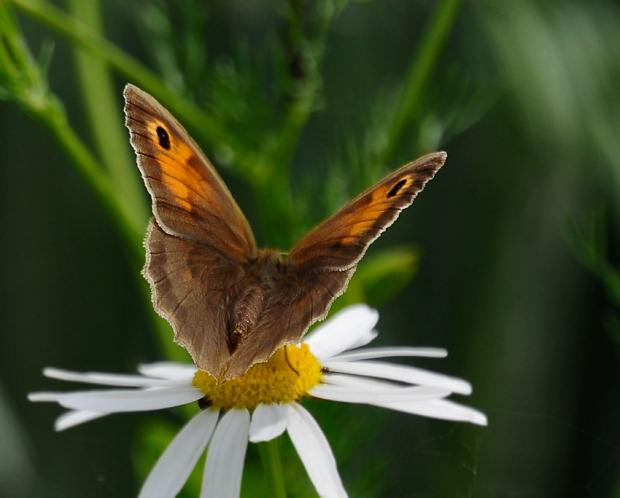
{"x": 270, "y": 455}
{"x": 102, "y": 105}
{"x": 190, "y": 115}
{"x": 420, "y": 70}
{"x": 92, "y": 171}
{"x": 273, "y": 186}
{"x": 24, "y": 82}
{"x": 275, "y": 209}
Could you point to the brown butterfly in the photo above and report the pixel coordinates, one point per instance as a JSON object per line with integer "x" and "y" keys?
{"x": 231, "y": 304}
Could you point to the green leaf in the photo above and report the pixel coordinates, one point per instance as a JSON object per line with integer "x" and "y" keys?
{"x": 382, "y": 275}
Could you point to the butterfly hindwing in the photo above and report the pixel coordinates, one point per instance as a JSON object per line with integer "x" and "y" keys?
{"x": 194, "y": 288}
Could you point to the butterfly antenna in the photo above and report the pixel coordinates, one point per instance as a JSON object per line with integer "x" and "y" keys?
{"x": 288, "y": 361}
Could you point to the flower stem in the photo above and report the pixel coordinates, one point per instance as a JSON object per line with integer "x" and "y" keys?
{"x": 91, "y": 170}
{"x": 103, "y": 109}
{"x": 270, "y": 455}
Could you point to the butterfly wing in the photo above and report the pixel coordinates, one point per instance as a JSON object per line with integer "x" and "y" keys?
{"x": 200, "y": 246}
{"x": 193, "y": 287}
{"x": 201, "y": 254}
{"x": 189, "y": 198}
{"x": 321, "y": 264}
{"x": 340, "y": 242}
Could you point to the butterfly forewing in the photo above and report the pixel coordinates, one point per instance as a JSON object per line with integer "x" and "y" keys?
{"x": 340, "y": 242}
{"x": 189, "y": 198}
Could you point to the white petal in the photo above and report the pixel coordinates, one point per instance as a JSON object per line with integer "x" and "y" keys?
{"x": 354, "y": 382}
{"x": 369, "y": 354}
{"x": 111, "y": 379}
{"x": 374, "y": 386}
{"x": 175, "y": 464}
{"x": 349, "y": 328}
{"x": 168, "y": 370}
{"x": 402, "y": 373}
{"x": 362, "y": 338}
{"x": 314, "y": 451}
{"x": 130, "y": 400}
{"x": 439, "y": 408}
{"x": 45, "y": 396}
{"x": 224, "y": 467}
{"x": 75, "y": 417}
{"x": 268, "y": 422}
{"x": 402, "y": 394}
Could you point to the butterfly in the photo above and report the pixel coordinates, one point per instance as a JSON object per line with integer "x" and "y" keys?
{"x": 232, "y": 305}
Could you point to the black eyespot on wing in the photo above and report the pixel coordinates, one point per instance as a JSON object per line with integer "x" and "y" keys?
{"x": 164, "y": 138}
{"x": 396, "y": 188}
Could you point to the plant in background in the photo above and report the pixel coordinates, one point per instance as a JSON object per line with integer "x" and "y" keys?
{"x": 252, "y": 112}
{"x": 591, "y": 247}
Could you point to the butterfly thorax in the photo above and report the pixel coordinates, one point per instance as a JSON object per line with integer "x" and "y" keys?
{"x": 262, "y": 274}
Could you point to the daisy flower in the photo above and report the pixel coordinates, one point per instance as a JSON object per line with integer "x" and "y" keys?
{"x": 330, "y": 364}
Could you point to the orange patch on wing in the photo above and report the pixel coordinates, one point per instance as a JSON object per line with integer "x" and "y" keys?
{"x": 179, "y": 179}
{"x": 364, "y": 217}
{"x": 183, "y": 152}
{"x": 359, "y": 229}
{"x": 169, "y": 176}
{"x": 180, "y": 169}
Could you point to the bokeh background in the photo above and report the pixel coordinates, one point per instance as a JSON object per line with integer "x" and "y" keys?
{"x": 517, "y": 238}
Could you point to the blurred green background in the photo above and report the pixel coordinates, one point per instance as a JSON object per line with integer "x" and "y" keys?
{"x": 517, "y": 237}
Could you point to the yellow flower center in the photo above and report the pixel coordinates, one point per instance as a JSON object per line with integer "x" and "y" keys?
{"x": 287, "y": 376}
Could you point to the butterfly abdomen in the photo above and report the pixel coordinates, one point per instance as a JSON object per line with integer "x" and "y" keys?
{"x": 246, "y": 312}
{"x": 249, "y": 304}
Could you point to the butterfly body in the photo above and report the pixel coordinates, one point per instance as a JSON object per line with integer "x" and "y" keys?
{"x": 231, "y": 304}
{"x": 262, "y": 277}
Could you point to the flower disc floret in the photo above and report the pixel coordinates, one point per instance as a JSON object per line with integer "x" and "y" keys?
{"x": 287, "y": 376}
